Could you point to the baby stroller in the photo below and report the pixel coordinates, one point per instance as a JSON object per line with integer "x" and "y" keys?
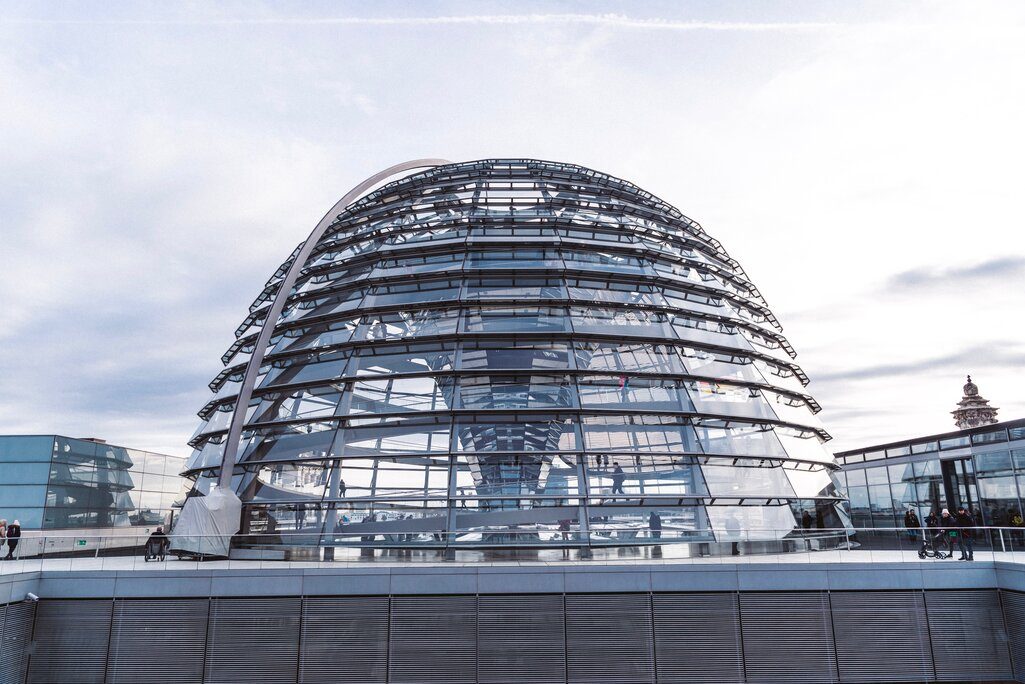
{"x": 156, "y": 549}
{"x": 935, "y": 546}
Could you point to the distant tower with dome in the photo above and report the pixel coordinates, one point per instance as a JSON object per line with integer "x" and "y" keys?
{"x": 973, "y": 411}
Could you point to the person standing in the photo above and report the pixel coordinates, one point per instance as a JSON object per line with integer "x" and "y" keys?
{"x": 948, "y": 529}
{"x": 966, "y": 534}
{"x": 655, "y": 525}
{"x": 806, "y": 519}
{"x": 13, "y": 535}
{"x": 618, "y": 477}
{"x": 912, "y": 524}
{"x": 3, "y": 534}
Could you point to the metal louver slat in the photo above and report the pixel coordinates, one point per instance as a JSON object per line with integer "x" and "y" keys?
{"x": 788, "y": 637}
{"x": 71, "y": 639}
{"x": 157, "y": 640}
{"x": 881, "y": 636}
{"x": 17, "y": 632}
{"x": 253, "y": 640}
{"x": 1014, "y": 619}
{"x": 609, "y": 638}
{"x": 521, "y": 639}
{"x": 968, "y": 637}
{"x": 433, "y": 639}
{"x": 697, "y": 638}
{"x": 344, "y": 639}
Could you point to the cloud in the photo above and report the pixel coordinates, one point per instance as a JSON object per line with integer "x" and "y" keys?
{"x": 993, "y": 355}
{"x": 959, "y": 276}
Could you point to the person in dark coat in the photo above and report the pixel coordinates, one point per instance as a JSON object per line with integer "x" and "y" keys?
{"x": 655, "y": 525}
{"x": 911, "y": 524}
{"x": 618, "y": 477}
{"x": 13, "y": 536}
{"x": 806, "y": 519}
{"x": 158, "y": 541}
{"x": 966, "y": 534}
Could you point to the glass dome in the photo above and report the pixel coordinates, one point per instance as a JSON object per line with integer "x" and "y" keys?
{"x": 515, "y": 353}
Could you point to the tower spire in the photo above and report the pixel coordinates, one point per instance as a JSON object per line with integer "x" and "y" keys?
{"x": 973, "y": 410}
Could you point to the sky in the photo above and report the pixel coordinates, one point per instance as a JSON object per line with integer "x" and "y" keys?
{"x": 862, "y": 161}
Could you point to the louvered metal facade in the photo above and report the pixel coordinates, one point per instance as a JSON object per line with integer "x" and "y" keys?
{"x": 16, "y": 622}
{"x": 653, "y": 638}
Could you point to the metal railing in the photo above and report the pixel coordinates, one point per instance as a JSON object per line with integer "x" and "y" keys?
{"x": 620, "y": 542}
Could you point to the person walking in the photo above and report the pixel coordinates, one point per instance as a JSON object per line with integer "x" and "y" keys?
{"x": 618, "y": 477}
{"x": 13, "y": 535}
{"x": 912, "y": 524}
{"x": 966, "y": 534}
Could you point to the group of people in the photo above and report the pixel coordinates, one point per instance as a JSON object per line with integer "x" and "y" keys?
{"x": 10, "y": 535}
{"x": 950, "y": 530}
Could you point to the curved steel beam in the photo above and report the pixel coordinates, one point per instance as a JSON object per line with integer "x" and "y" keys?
{"x": 245, "y": 394}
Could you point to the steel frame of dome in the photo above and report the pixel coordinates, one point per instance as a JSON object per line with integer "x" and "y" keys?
{"x": 513, "y": 353}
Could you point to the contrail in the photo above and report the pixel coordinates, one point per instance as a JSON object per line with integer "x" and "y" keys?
{"x": 611, "y": 20}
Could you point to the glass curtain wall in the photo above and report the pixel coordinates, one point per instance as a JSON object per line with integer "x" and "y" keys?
{"x": 518, "y": 352}
{"x": 55, "y": 483}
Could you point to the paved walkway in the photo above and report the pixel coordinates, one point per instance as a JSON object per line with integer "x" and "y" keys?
{"x": 647, "y": 556}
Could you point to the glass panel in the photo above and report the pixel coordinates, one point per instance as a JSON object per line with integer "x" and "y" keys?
{"x": 638, "y": 433}
{"x": 515, "y": 392}
{"x": 751, "y": 523}
{"x": 805, "y": 447}
{"x": 492, "y": 474}
{"x": 620, "y": 321}
{"x": 882, "y": 506}
{"x": 515, "y": 356}
{"x": 639, "y": 358}
{"x": 998, "y": 495}
{"x": 400, "y": 395}
{"x": 408, "y": 477}
{"x": 286, "y": 482}
{"x": 633, "y": 393}
{"x": 860, "y": 513}
{"x": 990, "y": 437}
{"x": 313, "y": 337}
{"x": 856, "y": 478}
{"x": 310, "y": 369}
{"x": 18, "y": 448}
{"x": 601, "y": 291}
{"x": 729, "y": 400}
{"x": 413, "y": 292}
{"x": 995, "y": 462}
{"x": 1018, "y": 456}
{"x": 24, "y": 474}
{"x": 744, "y": 482}
{"x": 309, "y": 440}
{"x": 396, "y": 438}
{"x": 393, "y": 359}
{"x": 515, "y": 319}
{"x": 514, "y": 288}
{"x": 738, "y": 439}
{"x": 531, "y": 434}
{"x": 811, "y": 483}
{"x": 404, "y": 324}
{"x": 302, "y": 404}
{"x": 877, "y": 475}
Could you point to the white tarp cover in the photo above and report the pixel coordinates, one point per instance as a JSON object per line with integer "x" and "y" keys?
{"x": 207, "y": 523}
